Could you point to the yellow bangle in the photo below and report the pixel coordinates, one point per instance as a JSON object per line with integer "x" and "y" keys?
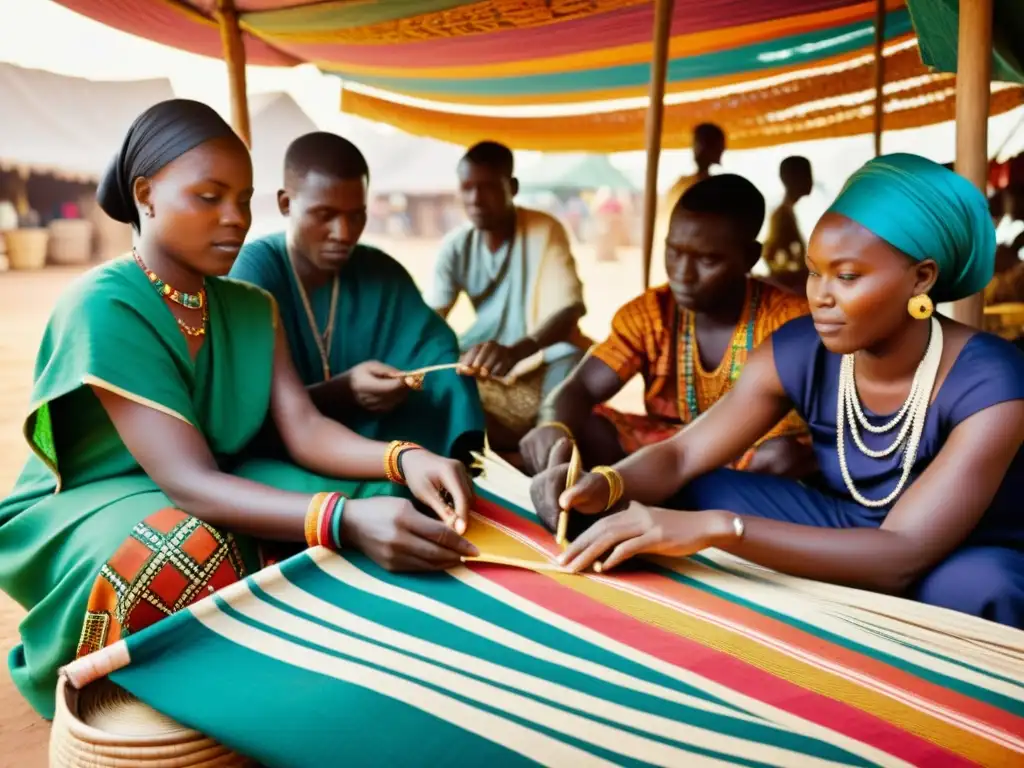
{"x": 615, "y": 484}
{"x": 559, "y": 425}
{"x": 312, "y": 522}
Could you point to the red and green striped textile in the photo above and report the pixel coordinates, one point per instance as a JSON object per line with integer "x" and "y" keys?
{"x": 328, "y": 659}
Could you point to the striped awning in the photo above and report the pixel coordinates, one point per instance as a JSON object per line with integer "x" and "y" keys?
{"x": 574, "y": 74}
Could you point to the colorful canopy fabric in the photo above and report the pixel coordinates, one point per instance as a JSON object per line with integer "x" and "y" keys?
{"x": 937, "y": 22}
{"x": 705, "y": 662}
{"x": 501, "y": 53}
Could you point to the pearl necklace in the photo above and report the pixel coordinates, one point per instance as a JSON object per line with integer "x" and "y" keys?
{"x": 912, "y": 415}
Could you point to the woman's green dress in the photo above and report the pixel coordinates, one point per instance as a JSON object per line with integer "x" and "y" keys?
{"x": 81, "y": 493}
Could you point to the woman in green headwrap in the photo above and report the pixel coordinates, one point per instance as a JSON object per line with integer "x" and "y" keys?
{"x": 917, "y": 421}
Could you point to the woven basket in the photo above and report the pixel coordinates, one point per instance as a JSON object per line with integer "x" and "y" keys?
{"x": 515, "y": 406}
{"x": 70, "y": 242}
{"x": 103, "y": 726}
{"x": 26, "y": 248}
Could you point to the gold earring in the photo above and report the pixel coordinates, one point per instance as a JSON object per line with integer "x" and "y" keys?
{"x": 920, "y": 307}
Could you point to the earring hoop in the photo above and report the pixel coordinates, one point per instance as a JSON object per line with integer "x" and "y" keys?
{"x": 920, "y": 307}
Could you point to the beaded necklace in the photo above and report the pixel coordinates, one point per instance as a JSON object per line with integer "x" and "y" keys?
{"x": 187, "y": 300}
{"x": 912, "y": 414}
{"x": 728, "y": 370}
{"x": 323, "y": 338}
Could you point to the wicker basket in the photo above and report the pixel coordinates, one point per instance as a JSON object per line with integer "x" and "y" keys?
{"x": 103, "y": 726}
{"x": 515, "y": 406}
{"x": 26, "y": 248}
{"x": 70, "y": 242}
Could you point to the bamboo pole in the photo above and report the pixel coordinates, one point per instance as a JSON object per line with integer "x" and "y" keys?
{"x": 655, "y": 118}
{"x": 234, "y": 55}
{"x": 973, "y": 77}
{"x": 879, "y": 73}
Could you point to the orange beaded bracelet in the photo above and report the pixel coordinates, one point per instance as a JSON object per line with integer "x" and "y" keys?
{"x": 392, "y": 468}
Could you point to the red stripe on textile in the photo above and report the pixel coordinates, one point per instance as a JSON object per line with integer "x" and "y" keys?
{"x": 719, "y": 667}
{"x": 623, "y": 27}
{"x": 158, "y": 21}
{"x": 748, "y": 622}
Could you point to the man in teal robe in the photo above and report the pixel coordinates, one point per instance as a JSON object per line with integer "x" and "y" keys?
{"x": 353, "y": 315}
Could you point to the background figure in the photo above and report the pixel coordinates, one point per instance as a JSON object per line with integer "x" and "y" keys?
{"x": 785, "y": 248}
{"x": 611, "y": 231}
{"x": 708, "y": 148}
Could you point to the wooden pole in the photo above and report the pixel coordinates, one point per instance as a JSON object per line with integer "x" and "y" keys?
{"x": 973, "y": 78}
{"x": 234, "y": 55}
{"x": 879, "y": 73}
{"x": 655, "y": 117}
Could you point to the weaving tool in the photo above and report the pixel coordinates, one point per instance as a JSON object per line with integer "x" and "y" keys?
{"x": 575, "y": 468}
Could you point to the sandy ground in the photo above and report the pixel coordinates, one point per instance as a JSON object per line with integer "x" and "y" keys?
{"x": 25, "y": 302}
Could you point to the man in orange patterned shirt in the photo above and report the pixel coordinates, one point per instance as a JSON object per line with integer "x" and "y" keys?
{"x": 688, "y": 339}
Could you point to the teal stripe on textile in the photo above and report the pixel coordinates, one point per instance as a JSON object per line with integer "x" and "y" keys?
{"x": 410, "y": 737}
{"x": 1015, "y": 706}
{"x": 452, "y": 592}
{"x": 247, "y": 701}
{"x": 343, "y": 14}
{"x": 800, "y": 49}
{"x": 416, "y": 623}
{"x": 615, "y": 757}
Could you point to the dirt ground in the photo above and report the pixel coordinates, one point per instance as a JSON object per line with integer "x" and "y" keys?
{"x": 25, "y": 302}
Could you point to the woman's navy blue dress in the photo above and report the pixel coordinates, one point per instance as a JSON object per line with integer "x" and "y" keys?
{"x": 985, "y": 577}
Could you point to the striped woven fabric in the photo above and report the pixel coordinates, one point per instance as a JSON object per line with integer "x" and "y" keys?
{"x": 707, "y": 662}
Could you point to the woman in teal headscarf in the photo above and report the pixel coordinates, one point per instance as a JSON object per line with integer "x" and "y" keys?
{"x": 917, "y": 420}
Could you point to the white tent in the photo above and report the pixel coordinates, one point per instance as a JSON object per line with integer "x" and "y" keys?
{"x": 69, "y": 127}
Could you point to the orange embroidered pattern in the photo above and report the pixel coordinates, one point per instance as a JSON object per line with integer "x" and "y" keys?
{"x": 169, "y": 561}
{"x": 641, "y": 343}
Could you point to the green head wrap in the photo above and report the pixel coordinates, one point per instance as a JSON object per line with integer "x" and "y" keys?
{"x": 928, "y": 212}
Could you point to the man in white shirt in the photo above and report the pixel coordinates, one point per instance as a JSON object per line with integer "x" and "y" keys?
{"x": 517, "y": 268}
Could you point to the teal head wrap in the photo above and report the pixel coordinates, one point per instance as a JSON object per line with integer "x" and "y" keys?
{"x": 928, "y": 212}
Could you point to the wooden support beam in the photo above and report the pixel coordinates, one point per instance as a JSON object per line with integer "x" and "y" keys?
{"x": 973, "y": 78}
{"x": 655, "y": 118}
{"x": 879, "y": 73}
{"x": 234, "y": 56}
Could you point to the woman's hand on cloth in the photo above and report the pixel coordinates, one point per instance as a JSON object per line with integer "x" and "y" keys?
{"x": 639, "y": 529}
{"x": 376, "y": 386}
{"x": 398, "y": 537}
{"x": 442, "y": 484}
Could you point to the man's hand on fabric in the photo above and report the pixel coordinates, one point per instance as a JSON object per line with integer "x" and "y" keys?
{"x": 545, "y": 446}
{"x": 376, "y": 387}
